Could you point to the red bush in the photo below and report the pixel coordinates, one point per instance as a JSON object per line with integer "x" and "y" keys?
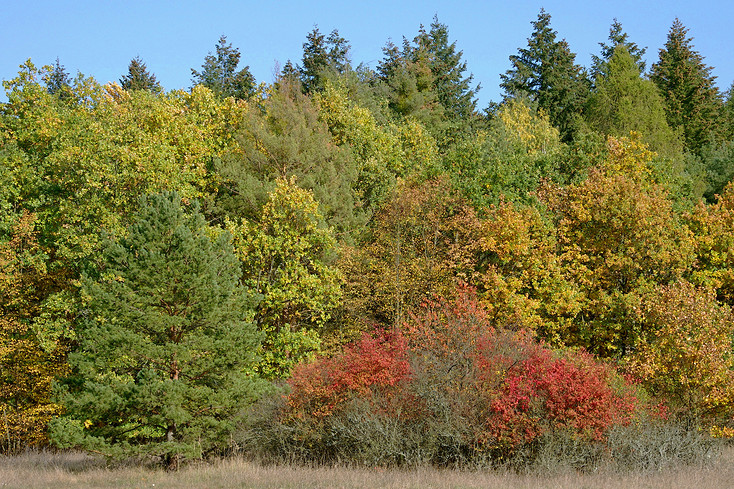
{"x": 376, "y": 363}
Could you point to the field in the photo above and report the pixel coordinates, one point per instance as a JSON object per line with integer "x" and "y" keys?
{"x": 69, "y": 471}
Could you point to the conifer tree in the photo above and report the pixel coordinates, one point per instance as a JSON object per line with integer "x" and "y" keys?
{"x": 623, "y": 102}
{"x": 692, "y": 100}
{"x": 545, "y": 72}
{"x": 321, "y": 55}
{"x": 58, "y": 81}
{"x": 219, "y": 73}
{"x": 138, "y": 77}
{"x": 617, "y": 37}
{"x": 454, "y": 90}
{"x": 167, "y": 345}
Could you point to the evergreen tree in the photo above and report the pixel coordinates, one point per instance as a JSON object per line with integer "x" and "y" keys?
{"x": 617, "y": 37}
{"x": 693, "y": 102}
{"x": 545, "y": 73}
{"x": 454, "y": 91}
{"x": 58, "y": 81}
{"x": 623, "y": 102}
{"x": 167, "y": 345}
{"x": 138, "y": 77}
{"x": 321, "y": 55}
{"x": 219, "y": 73}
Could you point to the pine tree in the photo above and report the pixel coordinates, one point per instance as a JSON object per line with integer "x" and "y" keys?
{"x": 693, "y": 102}
{"x": 322, "y": 55}
{"x": 167, "y": 345}
{"x": 58, "y": 82}
{"x": 138, "y": 77}
{"x": 617, "y": 37}
{"x": 545, "y": 73}
{"x": 219, "y": 73}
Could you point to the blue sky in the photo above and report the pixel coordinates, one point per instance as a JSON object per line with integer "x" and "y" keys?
{"x": 98, "y": 38}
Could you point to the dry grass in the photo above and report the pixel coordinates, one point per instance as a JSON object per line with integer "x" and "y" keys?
{"x": 44, "y": 470}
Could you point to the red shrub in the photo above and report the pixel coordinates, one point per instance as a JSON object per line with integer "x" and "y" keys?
{"x": 376, "y": 363}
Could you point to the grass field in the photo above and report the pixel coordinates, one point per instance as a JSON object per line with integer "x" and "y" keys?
{"x": 69, "y": 471}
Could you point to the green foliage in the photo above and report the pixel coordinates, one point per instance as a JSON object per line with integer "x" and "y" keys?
{"x": 138, "y": 77}
{"x": 623, "y": 102}
{"x": 545, "y": 73}
{"x": 286, "y": 258}
{"x": 692, "y": 101}
{"x": 166, "y": 346}
{"x": 323, "y": 56}
{"x": 284, "y": 138}
{"x": 508, "y": 160}
{"x": 219, "y": 73}
{"x": 600, "y": 64}
{"x": 58, "y": 81}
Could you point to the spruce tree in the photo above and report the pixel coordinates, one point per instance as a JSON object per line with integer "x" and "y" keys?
{"x": 58, "y": 81}
{"x": 454, "y": 91}
{"x": 545, "y": 72}
{"x": 138, "y": 77}
{"x": 166, "y": 346}
{"x": 323, "y": 55}
{"x": 692, "y": 101}
{"x": 219, "y": 73}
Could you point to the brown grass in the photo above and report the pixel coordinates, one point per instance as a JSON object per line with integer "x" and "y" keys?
{"x": 45, "y": 470}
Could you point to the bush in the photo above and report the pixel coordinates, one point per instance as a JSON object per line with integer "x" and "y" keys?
{"x": 450, "y": 389}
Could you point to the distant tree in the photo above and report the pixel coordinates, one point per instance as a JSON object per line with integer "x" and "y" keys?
{"x": 138, "y": 77}
{"x": 167, "y": 345}
{"x": 693, "y": 103}
{"x": 623, "y": 102}
{"x": 617, "y": 37}
{"x": 321, "y": 55}
{"x": 729, "y": 113}
{"x": 219, "y": 73}
{"x": 454, "y": 91}
{"x": 545, "y": 73}
{"x": 58, "y": 81}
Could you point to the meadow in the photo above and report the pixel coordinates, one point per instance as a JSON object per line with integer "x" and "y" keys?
{"x": 72, "y": 470}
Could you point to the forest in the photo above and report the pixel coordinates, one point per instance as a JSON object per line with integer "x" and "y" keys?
{"x": 356, "y": 265}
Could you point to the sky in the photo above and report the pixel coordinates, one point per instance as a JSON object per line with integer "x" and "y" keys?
{"x": 99, "y": 38}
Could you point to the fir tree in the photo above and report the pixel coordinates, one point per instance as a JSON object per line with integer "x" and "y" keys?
{"x": 322, "y": 55}
{"x": 453, "y": 89}
{"x": 219, "y": 73}
{"x": 692, "y": 101}
{"x": 545, "y": 72}
{"x": 58, "y": 82}
{"x": 138, "y": 77}
{"x": 166, "y": 347}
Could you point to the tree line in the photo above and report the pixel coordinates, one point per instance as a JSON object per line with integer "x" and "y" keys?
{"x": 168, "y": 258}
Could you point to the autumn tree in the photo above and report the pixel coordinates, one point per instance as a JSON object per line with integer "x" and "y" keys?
{"x": 219, "y": 73}
{"x": 139, "y": 78}
{"x": 692, "y": 100}
{"x": 166, "y": 344}
{"x": 618, "y": 238}
{"x": 287, "y": 257}
{"x": 685, "y": 355}
{"x": 546, "y": 73}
